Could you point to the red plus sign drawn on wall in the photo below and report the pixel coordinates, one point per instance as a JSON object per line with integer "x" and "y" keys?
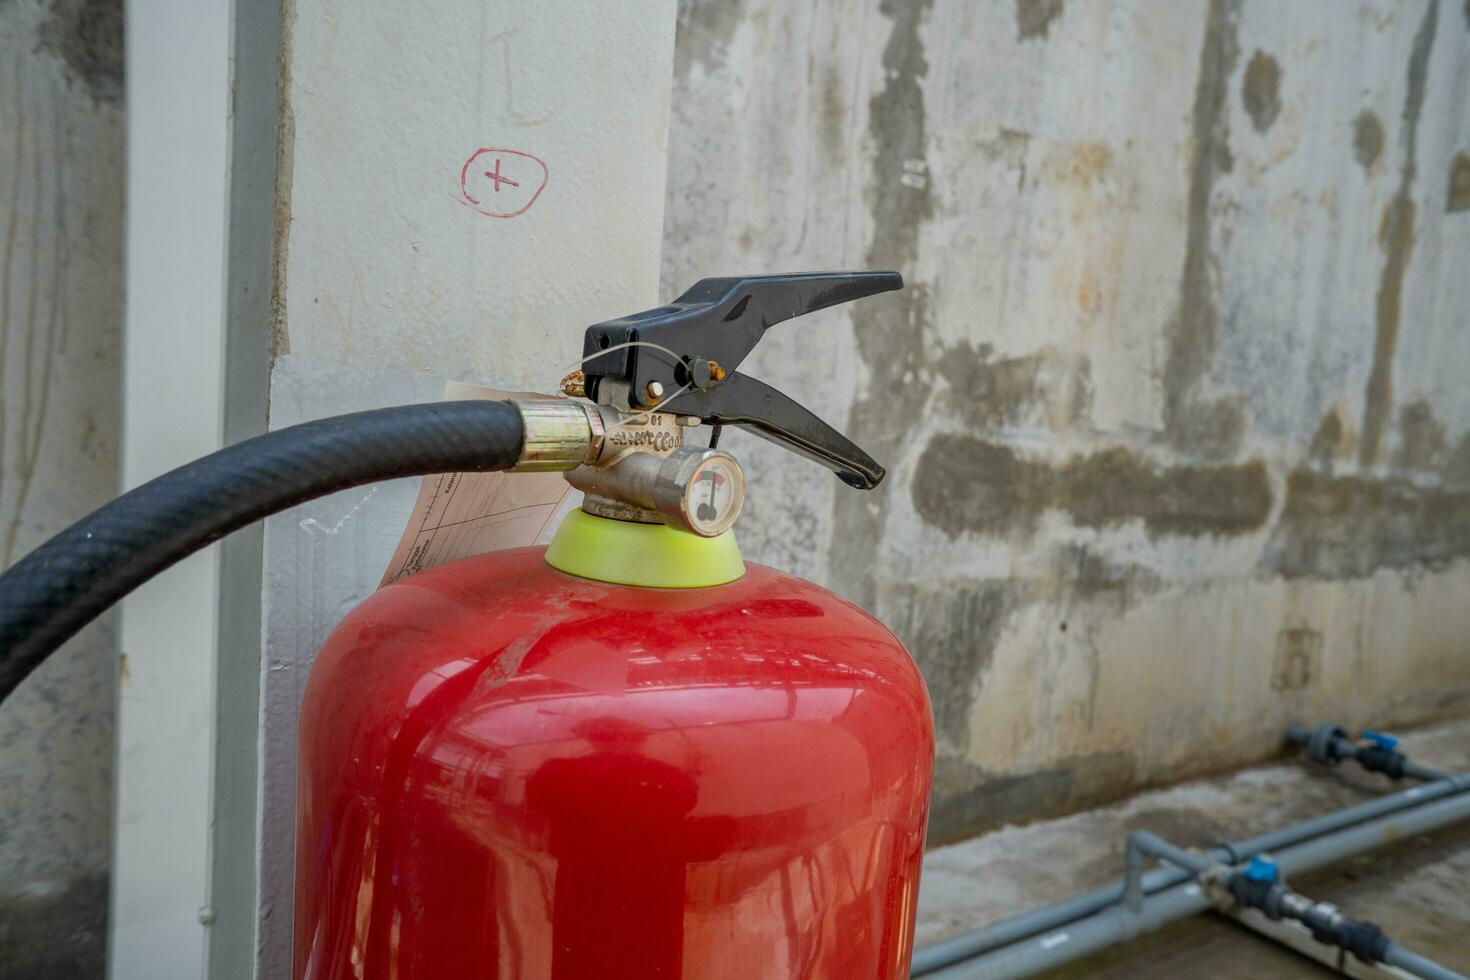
{"x": 495, "y": 176}
{"x": 500, "y": 182}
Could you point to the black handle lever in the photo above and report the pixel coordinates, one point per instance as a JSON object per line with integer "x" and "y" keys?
{"x": 706, "y": 333}
{"x": 760, "y": 409}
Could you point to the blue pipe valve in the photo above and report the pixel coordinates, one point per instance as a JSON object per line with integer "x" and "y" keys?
{"x": 1262, "y": 868}
{"x": 1384, "y": 741}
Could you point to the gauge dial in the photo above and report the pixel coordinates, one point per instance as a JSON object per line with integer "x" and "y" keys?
{"x": 699, "y": 490}
{"x": 715, "y": 495}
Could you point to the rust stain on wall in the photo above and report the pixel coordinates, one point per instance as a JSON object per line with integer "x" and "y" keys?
{"x": 1298, "y": 658}
{"x": 966, "y": 484}
{"x": 834, "y": 115}
{"x": 1087, "y": 162}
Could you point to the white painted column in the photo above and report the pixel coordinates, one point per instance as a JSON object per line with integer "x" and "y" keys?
{"x": 173, "y": 362}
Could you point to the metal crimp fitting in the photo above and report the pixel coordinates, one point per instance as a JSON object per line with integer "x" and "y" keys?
{"x": 560, "y": 435}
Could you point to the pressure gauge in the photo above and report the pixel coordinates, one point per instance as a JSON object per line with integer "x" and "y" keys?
{"x": 700, "y": 490}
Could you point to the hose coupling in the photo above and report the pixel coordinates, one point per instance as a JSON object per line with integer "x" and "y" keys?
{"x": 561, "y": 434}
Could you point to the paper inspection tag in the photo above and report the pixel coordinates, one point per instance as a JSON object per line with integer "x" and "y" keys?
{"x": 461, "y": 514}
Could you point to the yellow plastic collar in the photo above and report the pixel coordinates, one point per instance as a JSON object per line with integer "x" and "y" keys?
{"x": 650, "y": 556}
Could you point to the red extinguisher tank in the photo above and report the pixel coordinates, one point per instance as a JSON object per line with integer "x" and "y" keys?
{"x": 626, "y": 755}
{"x": 507, "y": 771}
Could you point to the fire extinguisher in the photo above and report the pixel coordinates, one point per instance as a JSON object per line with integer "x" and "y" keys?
{"x": 627, "y": 754}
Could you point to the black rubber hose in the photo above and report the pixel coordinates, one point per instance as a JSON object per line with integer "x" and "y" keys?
{"x": 71, "y": 579}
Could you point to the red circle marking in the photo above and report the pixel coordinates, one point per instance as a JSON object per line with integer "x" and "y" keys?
{"x": 470, "y": 201}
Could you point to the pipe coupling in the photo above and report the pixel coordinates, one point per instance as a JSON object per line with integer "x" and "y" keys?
{"x": 560, "y": 435}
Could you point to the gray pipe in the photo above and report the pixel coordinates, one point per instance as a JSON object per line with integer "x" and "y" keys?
{"x": 1143, "y": 844}
{"x": 1118, "y": 924}
{"x": 1073, "y": 941}
{"x": 1415, "y": 771}
{"x": 935, "y": 956}
{"x": 1397, "y": 956}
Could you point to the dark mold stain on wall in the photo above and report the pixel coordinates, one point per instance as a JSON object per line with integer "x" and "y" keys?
{"x": 966, "y": 484}
{"x": 1034, "y": 17}
{"x": 963, "y": 483}
{"x": 1457, "y": 196}
{"x": 88, "y": 36}
{"x": 968, "y": 800}
{"x": 1085, "y": 576}
{"x": 1327, "y": 442}
{"x": 1396, "y": 237}
{"x": 989, "y": 392}
{"x": 1205, "y": 428}
{"x": 953, "y": 631}
{"x": 1261, "y": 90}
{"x": 1422, "y": 443}
{"x": 703, "y": 31}
{"x": 1367, "y": 139}
{"x": 890, "y": 329}
{"x": 1349, "y": 526}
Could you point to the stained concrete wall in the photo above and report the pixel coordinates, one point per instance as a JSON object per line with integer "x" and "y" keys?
{"x": 1174, "y": 404}
{"x": 61, "y": 234}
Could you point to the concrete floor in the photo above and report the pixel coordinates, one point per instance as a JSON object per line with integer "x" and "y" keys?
{"x": 1418, "y": 890}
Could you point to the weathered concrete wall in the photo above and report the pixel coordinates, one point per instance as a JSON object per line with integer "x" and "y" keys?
{"x": 1174, "y": 404}
{"x": 61, "y": 236}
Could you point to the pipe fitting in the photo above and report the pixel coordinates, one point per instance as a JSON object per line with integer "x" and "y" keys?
{"x": 1376, "y": 752}
{"x": 1259, "y": 886}
{"x": 1326, "y": 744}
{"x": 1270, "y": 896}
{"x": 560, "y": 434}
{"x": 1141, "y": 843}
{"x": 1387, "y": 761}
{"x": 653, "y": 489}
